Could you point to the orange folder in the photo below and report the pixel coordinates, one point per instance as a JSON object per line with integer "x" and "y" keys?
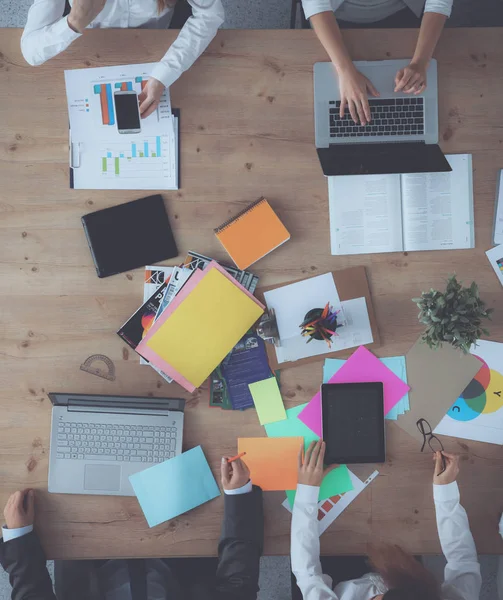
{"x": 273, "y": 462}
{"x": 252, "y": 234}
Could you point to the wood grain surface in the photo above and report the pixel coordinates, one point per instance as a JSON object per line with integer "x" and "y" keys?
{"x": 246, "y": 131}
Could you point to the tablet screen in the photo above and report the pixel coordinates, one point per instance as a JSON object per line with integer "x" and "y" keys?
{"x": 353, "y": 422}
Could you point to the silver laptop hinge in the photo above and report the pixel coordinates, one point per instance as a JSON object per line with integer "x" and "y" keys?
{"x": 117, "y": 411}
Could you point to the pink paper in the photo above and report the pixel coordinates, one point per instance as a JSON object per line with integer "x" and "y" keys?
{"x": 361, "y": 367}
{"x": 147, "y": 353}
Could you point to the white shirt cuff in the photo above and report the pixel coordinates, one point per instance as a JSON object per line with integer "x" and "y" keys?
{"x": 166, "y": 75}
{"x": 12, "y": 534}
{"x": 445, "y": 493}
{"x": 307, "y": 493}
{"x": 245, "y": 489}
{"x": 62, "y": 31}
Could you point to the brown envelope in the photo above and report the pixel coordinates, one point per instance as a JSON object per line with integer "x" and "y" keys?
{"x": 436, "y": 379}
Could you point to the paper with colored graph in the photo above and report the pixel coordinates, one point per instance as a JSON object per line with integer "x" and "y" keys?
{"x": 101, "y": 157}
{"x": 206, "y": 319}
{"x": 396, "y": 364}
{"x": 175, "y": 486}
{"x": 268, "y": 401}
{"x": 273, "y": 462}
{"x": 361, "y": 367}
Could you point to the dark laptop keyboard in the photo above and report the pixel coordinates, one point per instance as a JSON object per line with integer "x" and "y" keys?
{"x": 395, "y": 116}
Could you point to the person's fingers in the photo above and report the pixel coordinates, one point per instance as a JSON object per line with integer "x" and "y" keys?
{"x": 30, "y": 503}
{"x": 309, "y": 451}
{"x": 150, "y": 109}
{"x": 301, "y": 455}
{"x": 366, "y": 108}
{"x": 17, "y": 500}
{"x": 321, "y": 456}
{"x": 372, "y": 89}
{"x": 352, "y": 111}
{"x": 412, "y": 83}
{"x": 404, "y": 80}
{"x": 398, "y": 76}
{"x": 225, "y": 470}
{"x": 420, "y": 89}
{"x": 237, "y": 467}
{"x": 438, "y": 462}
{"x": 342, "y": 108}
{"x": 141, "y": 96}
{"x": 449, "y": 454}
{"x": 361, "y": 112}
{"x": 314, "y": 455}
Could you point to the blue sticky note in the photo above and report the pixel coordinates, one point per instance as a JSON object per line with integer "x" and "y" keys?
{"x": 175, "y": 486}
{"x": 394, "y": 363}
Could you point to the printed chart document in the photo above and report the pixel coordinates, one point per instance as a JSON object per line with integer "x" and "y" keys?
{"x": 103, "y": 158}
{"x": 394, "y": 213}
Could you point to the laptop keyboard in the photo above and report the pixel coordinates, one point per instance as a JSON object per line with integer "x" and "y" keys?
{"x": 125, "y": 443}
{"x": 395, "y": 116}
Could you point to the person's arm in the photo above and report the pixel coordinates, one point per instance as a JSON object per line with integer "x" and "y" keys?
{"x": 412, "y": 79}
{"x": 462, "y": 571}
{"x": 193, "y": 39}
{"x": 305, "y": 539}
{"x": 21, "y": 554}
{"x": 354, "y": 87}
{"x": 242, "y": 536}
{"x": 47, "y": 32}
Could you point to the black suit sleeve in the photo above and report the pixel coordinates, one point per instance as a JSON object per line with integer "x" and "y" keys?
{"x": 24, "y": 561}
{"x": 240, "y": 547}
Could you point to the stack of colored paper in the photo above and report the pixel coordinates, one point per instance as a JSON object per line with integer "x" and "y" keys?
{"x": 394, "y": 363}
{"x": 202, "y": 324}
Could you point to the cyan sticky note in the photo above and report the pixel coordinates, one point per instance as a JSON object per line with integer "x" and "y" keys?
{"x": 396, "y": 364}
{"x": 292, "y": 427}
{"x": 175, "y": 486}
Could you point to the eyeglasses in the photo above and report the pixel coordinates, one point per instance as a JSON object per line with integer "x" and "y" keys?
{"x": 433, "y": 442}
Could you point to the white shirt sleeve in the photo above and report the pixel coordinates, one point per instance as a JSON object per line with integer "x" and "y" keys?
{"x": 245, "y": 489}
{"x": 192, "y": 41}
{"x": 443, "y": 7}
{"x": 47, "y": 32}
{"x": 463, "y": 570}
{"x": 12, "y": 534}
{"x": 305, "y": 546}
{"x": 313, "y": 7}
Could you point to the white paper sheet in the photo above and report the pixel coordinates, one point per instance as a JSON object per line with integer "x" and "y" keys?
{"x": 478, "y": 413}
{"x": 356, "y": 331}
{"x": 101, "y": 157}
{"x": 495, "y": 256}
{"x": 330, "y": 509}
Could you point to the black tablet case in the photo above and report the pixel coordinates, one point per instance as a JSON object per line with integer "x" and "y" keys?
{"x": 130, "y": 235}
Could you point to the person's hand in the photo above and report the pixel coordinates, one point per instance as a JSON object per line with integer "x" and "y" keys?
{"x": 235, "y": 474}
{"x": 20, "y": 509}
{"x": 83, "y": 12}
{"x": 411, "y": 79}
{"x": 451, "y": 468}
{"x": 150, "y": 97}
{"x": 354, "y": 88}
{"x": 311, "y": 470}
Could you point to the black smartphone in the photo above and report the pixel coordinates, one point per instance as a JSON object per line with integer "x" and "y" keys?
{"x": 353, "y": 422}
{"x": 127, "y": 112}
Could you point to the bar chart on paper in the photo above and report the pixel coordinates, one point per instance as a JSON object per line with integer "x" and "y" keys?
{"x": 142, "y": 158}
{"x": 101, "y": 157}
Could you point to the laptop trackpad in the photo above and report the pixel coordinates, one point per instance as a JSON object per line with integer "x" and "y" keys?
{"x": 102, "y": 477}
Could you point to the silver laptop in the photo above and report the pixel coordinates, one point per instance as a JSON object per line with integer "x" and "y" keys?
{"x": 97, "y": 442}
{"x": 401, "y": 137}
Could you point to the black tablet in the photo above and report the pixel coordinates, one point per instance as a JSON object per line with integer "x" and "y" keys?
{"x": 130, "y": 235}
{"x": 353, "y": 422}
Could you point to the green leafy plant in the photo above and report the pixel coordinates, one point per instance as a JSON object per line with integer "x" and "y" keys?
{"x": 454, "y": 316}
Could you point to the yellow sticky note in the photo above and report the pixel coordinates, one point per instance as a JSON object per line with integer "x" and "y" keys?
{"x": 205, "y": 327}
{"x": 268, "y": 402}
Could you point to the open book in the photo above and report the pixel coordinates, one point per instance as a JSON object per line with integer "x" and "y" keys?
{"x": 402, "y": 213}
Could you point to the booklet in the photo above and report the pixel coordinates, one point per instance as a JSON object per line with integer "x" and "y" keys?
{"x": 395, "y": 213}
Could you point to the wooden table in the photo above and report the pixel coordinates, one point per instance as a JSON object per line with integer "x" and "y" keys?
{"x": 247, "y": 130}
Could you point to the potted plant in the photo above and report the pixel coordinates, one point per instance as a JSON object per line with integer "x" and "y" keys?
{"x": 454, "y": 316}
